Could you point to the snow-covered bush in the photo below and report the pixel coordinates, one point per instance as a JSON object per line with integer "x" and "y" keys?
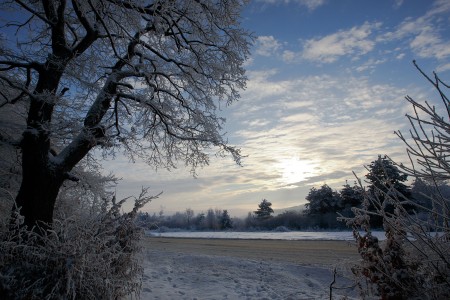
{"x": 281, "y": 229}
{"x": 414, "y": 261}
{"x": 84, "y": 256}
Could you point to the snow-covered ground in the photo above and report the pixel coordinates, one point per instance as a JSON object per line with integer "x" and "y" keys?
{"x": 175, "y": 275}
{"x": 170, "y": 274}
{"x": 291, "y": 235}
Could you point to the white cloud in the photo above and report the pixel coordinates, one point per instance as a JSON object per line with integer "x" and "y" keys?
{"x": 400, "y": 56}
{"x": 370, "y": 64}
{"x": 443, "y": 68}
{"x": 289, "y": 56}
{"x": 267, "y": 45}
{"x": 355, "y": 41}
{"x": 309, "y": 4}
{"x": 339, "y": 123}
{"x": 423, "y": 36}
{"x": 398, "y": 3}
{"x": 439, "y": 7}
{"x": 428, "y": 44}
{"x": 424, "y": 33}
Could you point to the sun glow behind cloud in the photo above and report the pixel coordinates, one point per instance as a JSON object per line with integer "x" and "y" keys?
{"x": 294, "y": 170}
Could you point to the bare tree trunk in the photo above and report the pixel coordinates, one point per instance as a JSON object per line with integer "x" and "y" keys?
{"x": 42, "y": 177}
{"x": 43, "y": 170}
{"x": 38, "y": 192}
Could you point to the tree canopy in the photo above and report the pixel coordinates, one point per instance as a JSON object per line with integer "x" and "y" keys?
{"x": 383, "y": 174}
{"x": 264, "y": 210}
{"x": 322, "y": 200}
{"x": 145, "y": 77}
{"x": 386, "y": 181}
{"x": 351, "y": 196}
{"x": 225, "y": 220}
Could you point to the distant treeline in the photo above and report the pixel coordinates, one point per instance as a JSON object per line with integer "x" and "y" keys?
{"x": 324, "y": 206}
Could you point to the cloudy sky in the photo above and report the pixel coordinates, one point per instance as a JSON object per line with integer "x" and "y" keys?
{"x": 327, "y": 81}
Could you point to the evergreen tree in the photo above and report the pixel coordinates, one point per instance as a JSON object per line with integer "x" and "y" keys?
{"x": 322, "y": 200}
{"x": 351, "y": 196}
{"x": 225, "y": 220}
{"x": 423, "y": 191}
{"x": 200, "y": 221}
{"x": 265, "y": 210}
{"x": 385, "y": 179}
{"x": 383, "y": 174}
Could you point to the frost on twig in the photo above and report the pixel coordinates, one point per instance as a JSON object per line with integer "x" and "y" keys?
{"x": 94, "y": 256}
{"x": 414, "y": 261}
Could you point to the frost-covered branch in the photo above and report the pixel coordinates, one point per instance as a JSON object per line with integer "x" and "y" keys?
{"x": 142, "y": 77}
{"x": 414, "y": 259}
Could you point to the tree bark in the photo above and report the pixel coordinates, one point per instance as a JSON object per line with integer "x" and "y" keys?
{"x": 41, "y": 177}
{"x": 38, "y": 191}
{"x": 44, "y": 173}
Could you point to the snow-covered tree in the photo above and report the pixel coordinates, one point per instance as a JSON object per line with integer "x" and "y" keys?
{"x": 350, "y": 196}
{"x": 385, "y": 179}
{"x": 323, "y": 200}
{"x": 87, "y": 235}
{"x": 75, "y": 197}
{"x": 189, "y": 216}
{"x": 225, "y": 220}
{"x": 200, "y": 221}
{"x": 212, "y": 219}
{"x": 142, "y": 76}
{"x": 264, "y": 210}
{"x": 382, "y": 173}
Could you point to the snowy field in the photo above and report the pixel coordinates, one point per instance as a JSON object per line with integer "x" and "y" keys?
{"x": 291, "y": 235}
{"x": 189, "y": 276}
{"x": 174, "y": 271}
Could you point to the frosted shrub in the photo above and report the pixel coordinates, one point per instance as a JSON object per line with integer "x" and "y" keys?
{"x": 94, "y": 256}
{"x": 414, "y": 261}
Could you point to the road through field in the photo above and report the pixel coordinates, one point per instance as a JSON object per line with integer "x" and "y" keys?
{"x": 305, "y": 252}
